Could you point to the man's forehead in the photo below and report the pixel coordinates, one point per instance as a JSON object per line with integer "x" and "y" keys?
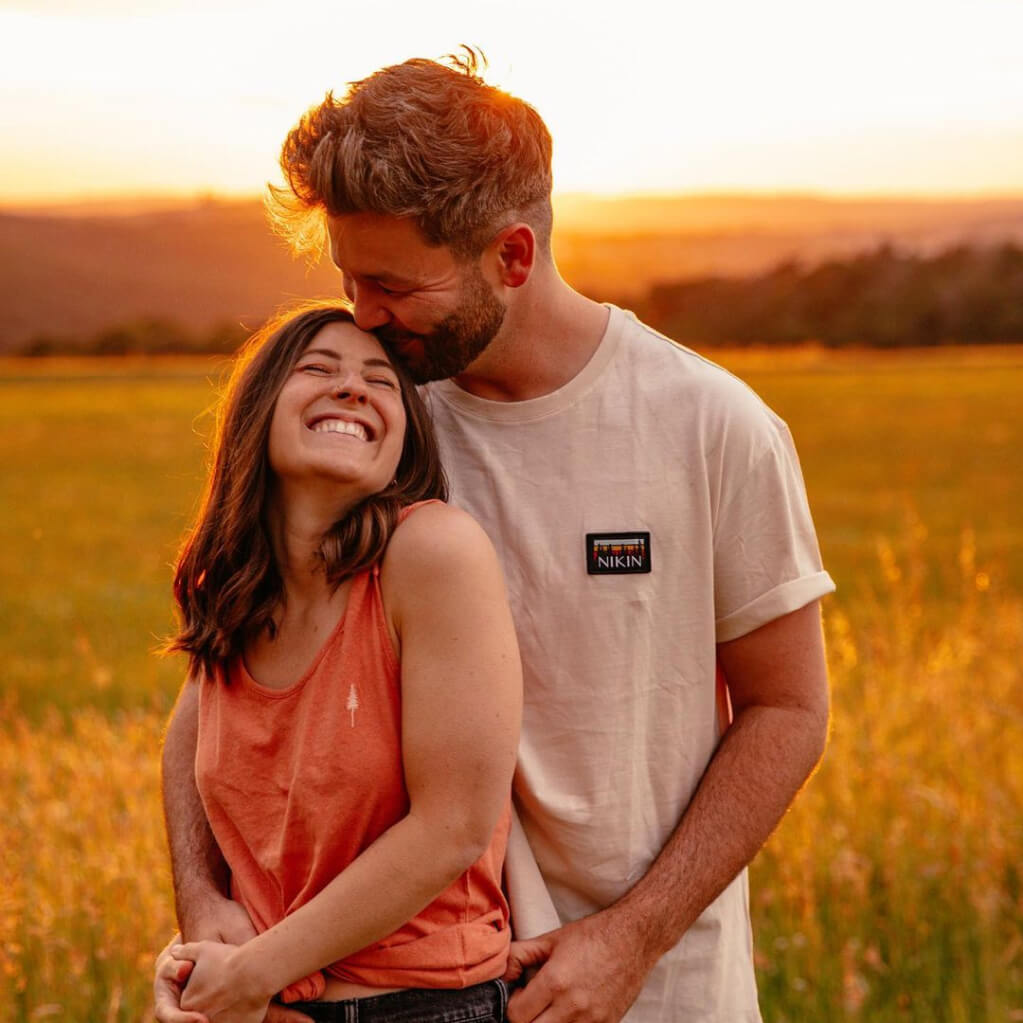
{"x": 372, "y": 244}
{"x": 358, "y": 225}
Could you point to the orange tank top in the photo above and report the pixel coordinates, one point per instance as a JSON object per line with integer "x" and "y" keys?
{"x": 297, "y": 782}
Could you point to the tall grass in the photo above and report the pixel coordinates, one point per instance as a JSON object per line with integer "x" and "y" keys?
{"x": 891, "y": 891}
{"x": 85, "y": 898}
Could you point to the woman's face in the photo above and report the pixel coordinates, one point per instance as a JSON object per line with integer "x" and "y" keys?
{"x": 339, "y": 415}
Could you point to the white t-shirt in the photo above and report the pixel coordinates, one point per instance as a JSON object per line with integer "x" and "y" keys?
{"x": 646, "y": 511}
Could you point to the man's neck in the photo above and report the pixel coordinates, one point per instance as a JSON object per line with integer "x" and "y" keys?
{"x": 550, "y": 333}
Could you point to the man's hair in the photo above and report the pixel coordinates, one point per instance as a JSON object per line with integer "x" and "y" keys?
{"x": 425, "y": 140}
{"x": 227, "y": 584}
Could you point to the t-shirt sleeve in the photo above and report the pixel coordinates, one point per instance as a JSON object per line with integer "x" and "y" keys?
{"x": 766, "y": 558}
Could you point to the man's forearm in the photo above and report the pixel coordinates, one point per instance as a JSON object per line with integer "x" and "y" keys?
{"x": 764, "y": 758}
{"x": 592, "y": 970}
{"x": 199, "y": 872}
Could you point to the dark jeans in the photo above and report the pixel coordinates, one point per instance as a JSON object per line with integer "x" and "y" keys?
{"x": 484, "y": 1003}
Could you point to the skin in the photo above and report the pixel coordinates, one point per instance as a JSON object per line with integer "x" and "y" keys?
{"x": 444, "y": 597}
{"x": 592, "y": 969}
{"x": 343, "y": 380}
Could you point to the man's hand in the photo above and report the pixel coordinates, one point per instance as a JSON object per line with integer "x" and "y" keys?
{"x": 171, "y": 975}
{"x": 226, "y": 921}
{"x": 219, "y": 987}
{"x": 589, "y": 972}
{"x": 168, "y": 983}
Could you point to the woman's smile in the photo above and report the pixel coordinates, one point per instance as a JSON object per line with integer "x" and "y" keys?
{"x": 340, "y": 413}
{"x": 331, "y": 424}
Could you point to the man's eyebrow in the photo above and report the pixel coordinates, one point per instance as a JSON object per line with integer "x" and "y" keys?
{"x": 385, "y": 277}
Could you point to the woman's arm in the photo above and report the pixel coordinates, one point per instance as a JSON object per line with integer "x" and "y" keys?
{"x": 461, "y": 706}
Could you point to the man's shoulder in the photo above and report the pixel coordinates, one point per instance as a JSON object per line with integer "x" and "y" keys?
{"x": 666, "y": 367}
{"x": 649, "y": 346}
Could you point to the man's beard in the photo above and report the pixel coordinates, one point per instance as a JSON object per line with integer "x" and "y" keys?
{"x": 454, "y": 343}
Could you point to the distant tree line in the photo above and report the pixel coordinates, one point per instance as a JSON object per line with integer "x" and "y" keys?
{"x": 883, "y": 298}
{"x": 145, "y": 336}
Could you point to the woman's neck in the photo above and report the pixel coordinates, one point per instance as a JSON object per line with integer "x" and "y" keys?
{"x": 298, "y": 523}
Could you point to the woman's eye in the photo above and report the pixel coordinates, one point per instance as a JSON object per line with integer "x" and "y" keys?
{"x": 312, "y": 367}
{"x": 385, "y": 381}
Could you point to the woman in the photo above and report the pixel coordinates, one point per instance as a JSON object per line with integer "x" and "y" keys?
{"x": 360, "y": 694}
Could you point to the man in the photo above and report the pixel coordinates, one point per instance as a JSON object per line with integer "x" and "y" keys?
{"x": 654, "y": 532}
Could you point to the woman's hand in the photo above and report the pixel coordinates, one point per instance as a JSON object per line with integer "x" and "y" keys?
{"x": 219, "y": 986}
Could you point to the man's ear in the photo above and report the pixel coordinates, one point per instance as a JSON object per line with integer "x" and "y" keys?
{"x": 514, "y": 250}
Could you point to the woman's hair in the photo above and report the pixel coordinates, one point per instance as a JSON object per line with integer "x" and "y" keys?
{"x": 226, "y": 584}
{"x": 424, "y": 140}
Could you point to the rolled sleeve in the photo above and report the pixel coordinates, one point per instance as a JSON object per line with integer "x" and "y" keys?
{"x": 767, "y": 561}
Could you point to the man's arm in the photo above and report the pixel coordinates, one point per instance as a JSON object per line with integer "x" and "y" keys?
{"x": 201, "y": 899}
{"x": 594, "y": 968}
{"x": 200, "y": 874}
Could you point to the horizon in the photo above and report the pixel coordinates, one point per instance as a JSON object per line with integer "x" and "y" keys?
{"x": 167, "y": 197}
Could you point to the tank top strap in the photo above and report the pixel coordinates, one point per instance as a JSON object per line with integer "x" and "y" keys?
{"x": 410, "y": 508}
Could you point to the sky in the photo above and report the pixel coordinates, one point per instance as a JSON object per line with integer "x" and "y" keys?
{"x": 105, "y": 97}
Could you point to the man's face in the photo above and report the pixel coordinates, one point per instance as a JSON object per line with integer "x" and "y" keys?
{"x": 436, "y": 313}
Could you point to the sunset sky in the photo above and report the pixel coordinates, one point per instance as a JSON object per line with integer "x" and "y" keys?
{"x": 100, "y": 97}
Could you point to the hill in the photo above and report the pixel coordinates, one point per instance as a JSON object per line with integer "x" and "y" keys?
{"x": 621, "y": 247}
{"x": 199, "y": 266}
{"x": 72, "y": 271}
{"x": 881, "y": 299}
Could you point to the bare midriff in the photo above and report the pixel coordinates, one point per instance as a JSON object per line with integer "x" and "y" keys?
{"x": 340, "y": 990}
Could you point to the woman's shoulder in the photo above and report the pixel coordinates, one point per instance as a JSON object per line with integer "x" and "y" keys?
{"x": 438, "y": 557}
{"x": 433, "y": 535}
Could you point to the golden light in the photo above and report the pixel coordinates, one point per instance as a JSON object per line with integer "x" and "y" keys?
{"x": 107, "y": 96}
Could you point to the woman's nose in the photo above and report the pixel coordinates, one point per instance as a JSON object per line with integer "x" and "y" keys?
{"x": 351, "y": 387}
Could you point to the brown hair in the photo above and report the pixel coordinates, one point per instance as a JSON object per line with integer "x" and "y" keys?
{"x": 424, "y": 140}
{"x": 226, "y": 583}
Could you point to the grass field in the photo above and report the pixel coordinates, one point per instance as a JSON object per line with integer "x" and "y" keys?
{"x": 892, "y": 891}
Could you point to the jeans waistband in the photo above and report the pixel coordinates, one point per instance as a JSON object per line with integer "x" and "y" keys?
{"x": 483, "y": 1002}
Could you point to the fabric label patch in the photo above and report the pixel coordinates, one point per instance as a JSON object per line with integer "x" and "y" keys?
{"x": 617, "y": 553}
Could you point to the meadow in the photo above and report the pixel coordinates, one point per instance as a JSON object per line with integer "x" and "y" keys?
{"x": 891, "y": 891}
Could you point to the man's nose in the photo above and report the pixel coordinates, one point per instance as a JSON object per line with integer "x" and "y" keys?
{"x": 367, "y": 309}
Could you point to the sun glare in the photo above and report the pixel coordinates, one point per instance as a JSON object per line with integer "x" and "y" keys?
{"x": 165, "y": 96}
